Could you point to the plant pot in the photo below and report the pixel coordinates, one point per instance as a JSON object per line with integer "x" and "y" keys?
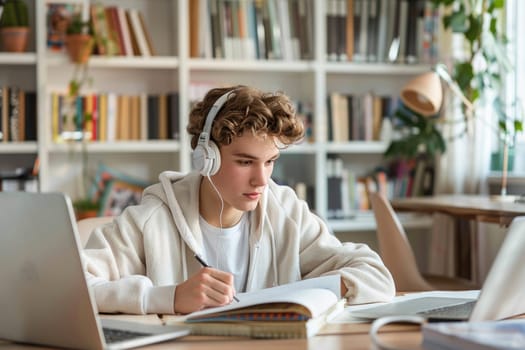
{"x": 79, "y": 47}
{"x": 83, "y": 214}
{"x": 85, "y": 208}
{"x": 14, "y": 39}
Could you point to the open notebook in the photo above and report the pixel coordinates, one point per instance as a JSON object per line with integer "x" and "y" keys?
{"x": 44, "y": 298}
{"x": 501, "y": 296}
{"x": 294, "y": 310}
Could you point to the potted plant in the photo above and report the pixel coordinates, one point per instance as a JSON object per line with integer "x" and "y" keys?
{"x": 14, "y": 26}
{"x": 79, "y": 39}
{"x": 79, "y": 44}
{"x": 479, "y": 74}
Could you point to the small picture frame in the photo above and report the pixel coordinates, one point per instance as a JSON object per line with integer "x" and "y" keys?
{"x": 115, "y": 190}
{"x": 118, "y": 195}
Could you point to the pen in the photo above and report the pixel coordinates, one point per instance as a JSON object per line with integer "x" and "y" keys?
{"x": 205, "y": 264}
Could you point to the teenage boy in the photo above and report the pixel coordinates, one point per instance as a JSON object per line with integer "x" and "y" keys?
{"x": 231, "y": 215}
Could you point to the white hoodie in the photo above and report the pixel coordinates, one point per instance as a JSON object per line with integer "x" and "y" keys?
{"x": 134, "y": 264}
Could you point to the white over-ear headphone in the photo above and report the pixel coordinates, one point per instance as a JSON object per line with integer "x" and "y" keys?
{"x": 206, "y": 157}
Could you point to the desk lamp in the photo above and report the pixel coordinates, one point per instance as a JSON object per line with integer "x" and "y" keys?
{"x": 424, "y": 93}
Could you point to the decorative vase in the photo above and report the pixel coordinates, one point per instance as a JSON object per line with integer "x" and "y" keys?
{"x": 14, "y": 39}
{"x": 79, "y": 47}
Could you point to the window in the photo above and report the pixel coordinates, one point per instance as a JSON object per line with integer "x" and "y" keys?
{"x": 516, "y": 83}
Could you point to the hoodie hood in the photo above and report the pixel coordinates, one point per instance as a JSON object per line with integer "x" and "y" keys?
{"x": 175, "y": 185}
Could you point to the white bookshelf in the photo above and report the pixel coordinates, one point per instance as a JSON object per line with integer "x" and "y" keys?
{"x": 173, "y": 69}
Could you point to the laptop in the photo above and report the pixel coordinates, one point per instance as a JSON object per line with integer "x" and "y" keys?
{"x": 502, "y": 294}
{"x": 44, "y": 298}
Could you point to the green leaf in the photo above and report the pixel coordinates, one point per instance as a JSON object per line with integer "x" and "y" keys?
{"x": 404, "y": 118}
{"x": 464, "y": 73}
{"x": 473, "y": 33}
{"x": 458, "y": 21}
{"x": 442, "y": 146}
{"x": 497, "y": 4}
{"x": 503, "y": 126}
{"x": 74, "y": 88}
{"x": 518, "y": 126}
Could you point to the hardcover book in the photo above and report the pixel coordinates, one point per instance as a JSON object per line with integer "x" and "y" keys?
{"x": 294, "y": 310}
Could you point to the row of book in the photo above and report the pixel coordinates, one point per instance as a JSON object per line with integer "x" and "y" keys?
{"x": 349, "y": 192}
{"x": 115, "y": 117}
{"x": 357, "y": 117}
{"x": 251, "y": 29}
{"x": 18, "y": 117}
{"x": 118, "y": 31}
{"x": 403, "y": 31}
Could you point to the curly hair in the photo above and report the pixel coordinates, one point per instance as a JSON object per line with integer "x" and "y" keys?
{"x": 246, "y": 110}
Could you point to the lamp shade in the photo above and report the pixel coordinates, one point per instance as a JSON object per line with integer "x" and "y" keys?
{"x": 423, "y": 94}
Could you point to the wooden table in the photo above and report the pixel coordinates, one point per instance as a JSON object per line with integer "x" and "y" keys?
{"x": 332, "y": 337}
{"x": 472, "y": 207}
{"x": 477, "y": 208}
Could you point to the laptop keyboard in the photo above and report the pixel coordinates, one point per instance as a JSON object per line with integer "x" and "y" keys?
{"x": 460, "y": 311}
{"x": 115, "y": 335}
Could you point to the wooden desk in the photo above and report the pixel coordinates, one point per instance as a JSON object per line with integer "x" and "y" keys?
{"x": 332, "y": 337}
{"x": 471, "y": 207}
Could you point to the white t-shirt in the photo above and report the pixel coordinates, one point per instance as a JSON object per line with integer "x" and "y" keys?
{"x": 226, "y": 249}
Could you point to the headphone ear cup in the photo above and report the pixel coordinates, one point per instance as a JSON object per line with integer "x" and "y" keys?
{"x": 199, "y": 158}
{"x": 214, "y": 158}
{"x": 206, "y": 159}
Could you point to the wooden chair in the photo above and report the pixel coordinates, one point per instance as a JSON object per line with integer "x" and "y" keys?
{"x": 398, "y": 256}
{"x": 87, "y": 225}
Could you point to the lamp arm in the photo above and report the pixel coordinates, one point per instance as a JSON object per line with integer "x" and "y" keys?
{"x": 442, "y": 72}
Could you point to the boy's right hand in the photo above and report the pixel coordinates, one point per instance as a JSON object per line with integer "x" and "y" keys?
{"x": 207, "y": 288}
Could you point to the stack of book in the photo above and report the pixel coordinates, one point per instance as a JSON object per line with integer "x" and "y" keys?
{"x": 294, "y": 310}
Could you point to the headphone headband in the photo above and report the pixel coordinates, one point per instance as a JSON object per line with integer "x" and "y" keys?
{"x": 204, "y": 137}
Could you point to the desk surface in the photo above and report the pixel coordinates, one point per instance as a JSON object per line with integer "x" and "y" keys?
{"x": 472, "y": 207}
{"x": 333, "y": 336}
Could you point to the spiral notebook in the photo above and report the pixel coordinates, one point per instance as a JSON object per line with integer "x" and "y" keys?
{"x": 294, "y": 310}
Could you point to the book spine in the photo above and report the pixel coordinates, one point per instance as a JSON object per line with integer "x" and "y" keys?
{"x": 5, "y": 113}
{"x": 124, "y": 29}
{"x": 138, "y": 33}
{"x": 147, "y": 35}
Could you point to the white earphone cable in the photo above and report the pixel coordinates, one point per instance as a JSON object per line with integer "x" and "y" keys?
{"x": 220, "y": 197}
{"x": 377, "y": 343}
{"x": 220, "y": 214}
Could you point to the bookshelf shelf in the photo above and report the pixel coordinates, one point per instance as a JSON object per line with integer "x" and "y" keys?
{"x": 374, "y": 147}
{"x": 151, "y": 146}
{"x": 160, "y": 62}
{"x": 304, "y": 148}
{"x": 18, "y": 147}
{"x": 250, "y": 65}
{"x": 375, "y": 68}
{"x": 21, "y": 59}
